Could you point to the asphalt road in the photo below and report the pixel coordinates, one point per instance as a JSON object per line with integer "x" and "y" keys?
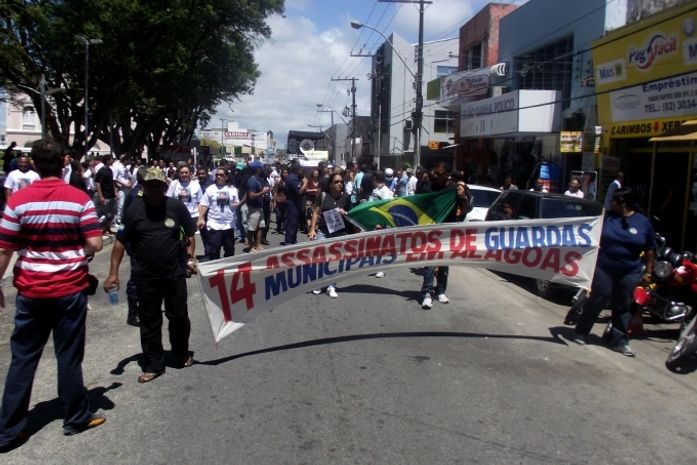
{"x": 370, "y": 378}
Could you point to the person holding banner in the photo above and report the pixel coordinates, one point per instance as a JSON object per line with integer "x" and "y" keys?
{"x": 440, "y": 180}
{"x": 626, "y": 235}
{"x": 328, "y": 217}
{"x": 160, "y": 232}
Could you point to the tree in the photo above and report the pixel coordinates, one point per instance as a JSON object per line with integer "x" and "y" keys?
{"x": 163, "y": 66}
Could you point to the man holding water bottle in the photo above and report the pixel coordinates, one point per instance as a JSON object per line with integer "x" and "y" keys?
{"x": 160, "y": 232}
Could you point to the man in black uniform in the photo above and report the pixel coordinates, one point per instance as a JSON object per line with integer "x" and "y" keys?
{"x": 160, "y": 233}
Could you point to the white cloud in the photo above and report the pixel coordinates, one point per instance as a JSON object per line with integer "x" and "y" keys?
{"x": 296, "y": 66}
{"x": 442, "y": 18}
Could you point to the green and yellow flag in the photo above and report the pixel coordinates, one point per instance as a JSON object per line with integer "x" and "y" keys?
{"x": 429, "y": 208}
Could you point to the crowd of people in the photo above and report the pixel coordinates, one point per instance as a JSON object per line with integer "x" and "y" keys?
{"x": 155, "y": 211}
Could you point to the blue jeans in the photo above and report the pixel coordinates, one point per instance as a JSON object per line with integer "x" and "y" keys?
{"x": 441, "y": 277}
{"x": 610, "y": 285}
{"x": 35, "y": 319}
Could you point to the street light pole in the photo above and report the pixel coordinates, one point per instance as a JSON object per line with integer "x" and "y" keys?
{"x": 222, "y": 134}
{"x": 418, "y": 111}
{"x": 43, "y": 92}
{"x": 87, "y": 43}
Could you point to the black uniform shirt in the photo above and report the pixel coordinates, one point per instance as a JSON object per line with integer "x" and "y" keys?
{"x": 157, "y": 238}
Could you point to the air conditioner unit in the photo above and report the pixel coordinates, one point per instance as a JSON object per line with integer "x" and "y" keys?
{"x": 497, "y": 91}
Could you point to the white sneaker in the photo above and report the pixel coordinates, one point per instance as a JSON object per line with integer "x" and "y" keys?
{"x": 331, "y": 290}
{"x": 380, "y": 274}
{"x": 316, "y": 291}
{"x": 427, "y": 302}
{"x": 442, "y": 298}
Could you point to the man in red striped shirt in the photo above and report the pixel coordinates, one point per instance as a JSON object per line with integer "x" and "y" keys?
{"x": 53, "y": 227}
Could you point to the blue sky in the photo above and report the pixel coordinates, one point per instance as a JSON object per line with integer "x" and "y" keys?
{"x": 312, "y": 42}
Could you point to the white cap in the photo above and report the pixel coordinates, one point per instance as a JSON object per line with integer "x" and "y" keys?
{"x": 388, "y": 172}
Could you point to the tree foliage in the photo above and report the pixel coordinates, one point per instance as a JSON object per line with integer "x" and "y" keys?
{"x": 163, "y": 66}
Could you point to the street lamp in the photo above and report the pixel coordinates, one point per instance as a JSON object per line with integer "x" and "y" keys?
{"x": 87, "y": 43}
{"x": 43, "y": 92}
{"x": 417, "y": 81}
{"x": 222, "y": 134}
{"x": 320, "y": 109}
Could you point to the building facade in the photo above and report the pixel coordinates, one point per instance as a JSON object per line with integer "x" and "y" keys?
{"x": 393, "y": 99}
{"x": 646, "y": 80}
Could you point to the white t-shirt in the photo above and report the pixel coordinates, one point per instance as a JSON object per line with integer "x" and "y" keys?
{"x": 190, "y": 195}
{"x": 381, "y": 193}
{"x": 411, "y": 185}
{"x": 18, "y": 179}
{"x": 122, "y": 176}
{"x": 219, "y": 200}
{"x": 89, "y": 179}
{"x": 578, "y": 194}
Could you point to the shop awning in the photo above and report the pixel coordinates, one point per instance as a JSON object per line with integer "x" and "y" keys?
{"x": 687, "y": 131}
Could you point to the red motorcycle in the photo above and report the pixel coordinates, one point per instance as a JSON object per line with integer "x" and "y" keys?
{"x": 670, "y": 295}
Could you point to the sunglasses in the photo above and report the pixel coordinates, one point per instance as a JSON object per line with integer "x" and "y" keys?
{"x": 338, "y": 182}
{"x": 219, "y": 174}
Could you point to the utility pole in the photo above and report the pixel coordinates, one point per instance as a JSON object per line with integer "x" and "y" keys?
{"x": 353, "y": 114}
{"x": 418, "y": 111}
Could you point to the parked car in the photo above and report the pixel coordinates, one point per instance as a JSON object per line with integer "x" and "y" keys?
{"x": 483, "y": 198}
{"x": 522, "y": 205}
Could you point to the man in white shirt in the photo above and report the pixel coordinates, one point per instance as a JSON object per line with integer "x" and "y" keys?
{"x": 575, "y": 189}
{"x": 614, "y": 185}
{"x": 380, "y": 190}
{"x": 21, "y": 177}
{"x": 122, "y": 183}
{"x": 411, "y": 184}
{"x": 67, "y": 170}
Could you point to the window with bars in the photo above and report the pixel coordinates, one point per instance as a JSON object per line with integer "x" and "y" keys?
{"x": 443, "y": 121}
{"x": 548, "y": 68}
{"x": 28, "y": 117}
{"x": 472, "y": 57}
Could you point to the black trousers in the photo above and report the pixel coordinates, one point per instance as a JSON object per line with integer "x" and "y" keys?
{"x": 151, "y": 294}
{"x": 221, "y": 238}
{"x": 35, "y": 320}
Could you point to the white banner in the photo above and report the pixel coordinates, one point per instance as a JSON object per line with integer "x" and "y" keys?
{"x": 235, "y": 289}
{"x": 664, "y": 98}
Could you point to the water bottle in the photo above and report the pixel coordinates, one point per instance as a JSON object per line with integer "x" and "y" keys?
{"x": 114, "y": 295}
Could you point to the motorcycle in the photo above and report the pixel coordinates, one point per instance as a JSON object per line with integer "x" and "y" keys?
{"x": 669, "y": 295}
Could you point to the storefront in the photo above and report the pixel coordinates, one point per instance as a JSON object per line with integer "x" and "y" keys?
{"x": 512, "y": 133}
{"x": 646, "y": 82}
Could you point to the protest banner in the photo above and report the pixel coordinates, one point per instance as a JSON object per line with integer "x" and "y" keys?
{"x": 235, "y": 289}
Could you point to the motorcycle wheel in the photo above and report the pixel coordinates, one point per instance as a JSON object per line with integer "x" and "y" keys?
{"x": 685, "y": 346}
{"x": 576, "y": 310}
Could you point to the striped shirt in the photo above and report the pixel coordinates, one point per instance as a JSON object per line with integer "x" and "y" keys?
{"x": 47, "y": 223}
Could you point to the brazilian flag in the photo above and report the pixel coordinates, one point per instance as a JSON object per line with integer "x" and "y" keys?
{"x": 429, "y": 208}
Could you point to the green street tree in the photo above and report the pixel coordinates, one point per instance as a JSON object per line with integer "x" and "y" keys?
{"x": 161, "y": 69}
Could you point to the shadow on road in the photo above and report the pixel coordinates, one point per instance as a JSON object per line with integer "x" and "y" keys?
{"x": 362, "y": 337}
{"x": 44, "y": 413}
{"x": 376, "y": 289}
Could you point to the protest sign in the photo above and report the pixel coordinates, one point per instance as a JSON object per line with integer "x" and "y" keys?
{"x": 235, "y": 289}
